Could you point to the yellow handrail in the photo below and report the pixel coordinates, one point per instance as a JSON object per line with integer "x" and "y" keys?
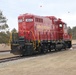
{"x": 10, "y": 39}
{"x": 34, "y": 41}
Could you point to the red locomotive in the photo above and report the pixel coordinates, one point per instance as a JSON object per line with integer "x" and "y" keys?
{"x": 40, "y": 34}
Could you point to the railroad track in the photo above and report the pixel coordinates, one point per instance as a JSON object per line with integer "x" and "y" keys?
{"x": 4, "y": 51}
{"x": 10, "y": 59}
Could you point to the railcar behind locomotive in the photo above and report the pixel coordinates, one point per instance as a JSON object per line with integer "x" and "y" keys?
{"x": 39, "y": 34}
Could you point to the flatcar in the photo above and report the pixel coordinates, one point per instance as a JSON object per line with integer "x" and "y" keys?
{"x": 39, "y": 34}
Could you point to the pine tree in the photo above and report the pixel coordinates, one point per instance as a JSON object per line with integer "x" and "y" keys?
{"x": 4, "y": 36}
{"x": 3, "y": 21}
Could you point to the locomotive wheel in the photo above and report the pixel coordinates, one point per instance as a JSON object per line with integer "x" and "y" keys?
{"x": 39, "y": 49}
{"x": 44, "y": 49}
{"x": 69, "y": 44}
{"x": 64, "y": 46}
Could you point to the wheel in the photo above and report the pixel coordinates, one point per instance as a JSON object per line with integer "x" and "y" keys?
{"x": 44, "y": 49}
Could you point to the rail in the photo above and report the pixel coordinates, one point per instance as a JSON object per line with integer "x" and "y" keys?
{"x": 9, "y": 59}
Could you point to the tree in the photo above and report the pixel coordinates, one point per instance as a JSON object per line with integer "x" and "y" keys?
{"x": 74, "y": 32}
{"x": 69, "y": 30}
{"x": 14, "y": 30}
{"x": 14, "y": 34}
{"x": 3, "y": 21}
{"x": 4, "y": 38}
{"x": 4, "y": 34}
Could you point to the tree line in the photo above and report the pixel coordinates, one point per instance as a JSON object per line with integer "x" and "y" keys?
{"x": 4, "y": 29}
{"x": 5, "y": 33}
{"x": 72, "y": 31}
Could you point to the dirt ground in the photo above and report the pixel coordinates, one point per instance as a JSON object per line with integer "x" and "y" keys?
{"x": 58, "y": 63}
{"x": 6, "y": 55}
{"x": 4, "y": 47}
{"x": 73, "y": 41}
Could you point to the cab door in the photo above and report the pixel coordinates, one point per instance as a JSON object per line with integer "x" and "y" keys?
{"x": 60, "y": 31}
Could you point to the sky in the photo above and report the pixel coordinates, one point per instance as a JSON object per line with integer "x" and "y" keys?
{"x": 64, "y": 9}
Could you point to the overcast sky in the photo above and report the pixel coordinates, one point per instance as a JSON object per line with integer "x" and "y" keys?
{"x": 64, "y": 9}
